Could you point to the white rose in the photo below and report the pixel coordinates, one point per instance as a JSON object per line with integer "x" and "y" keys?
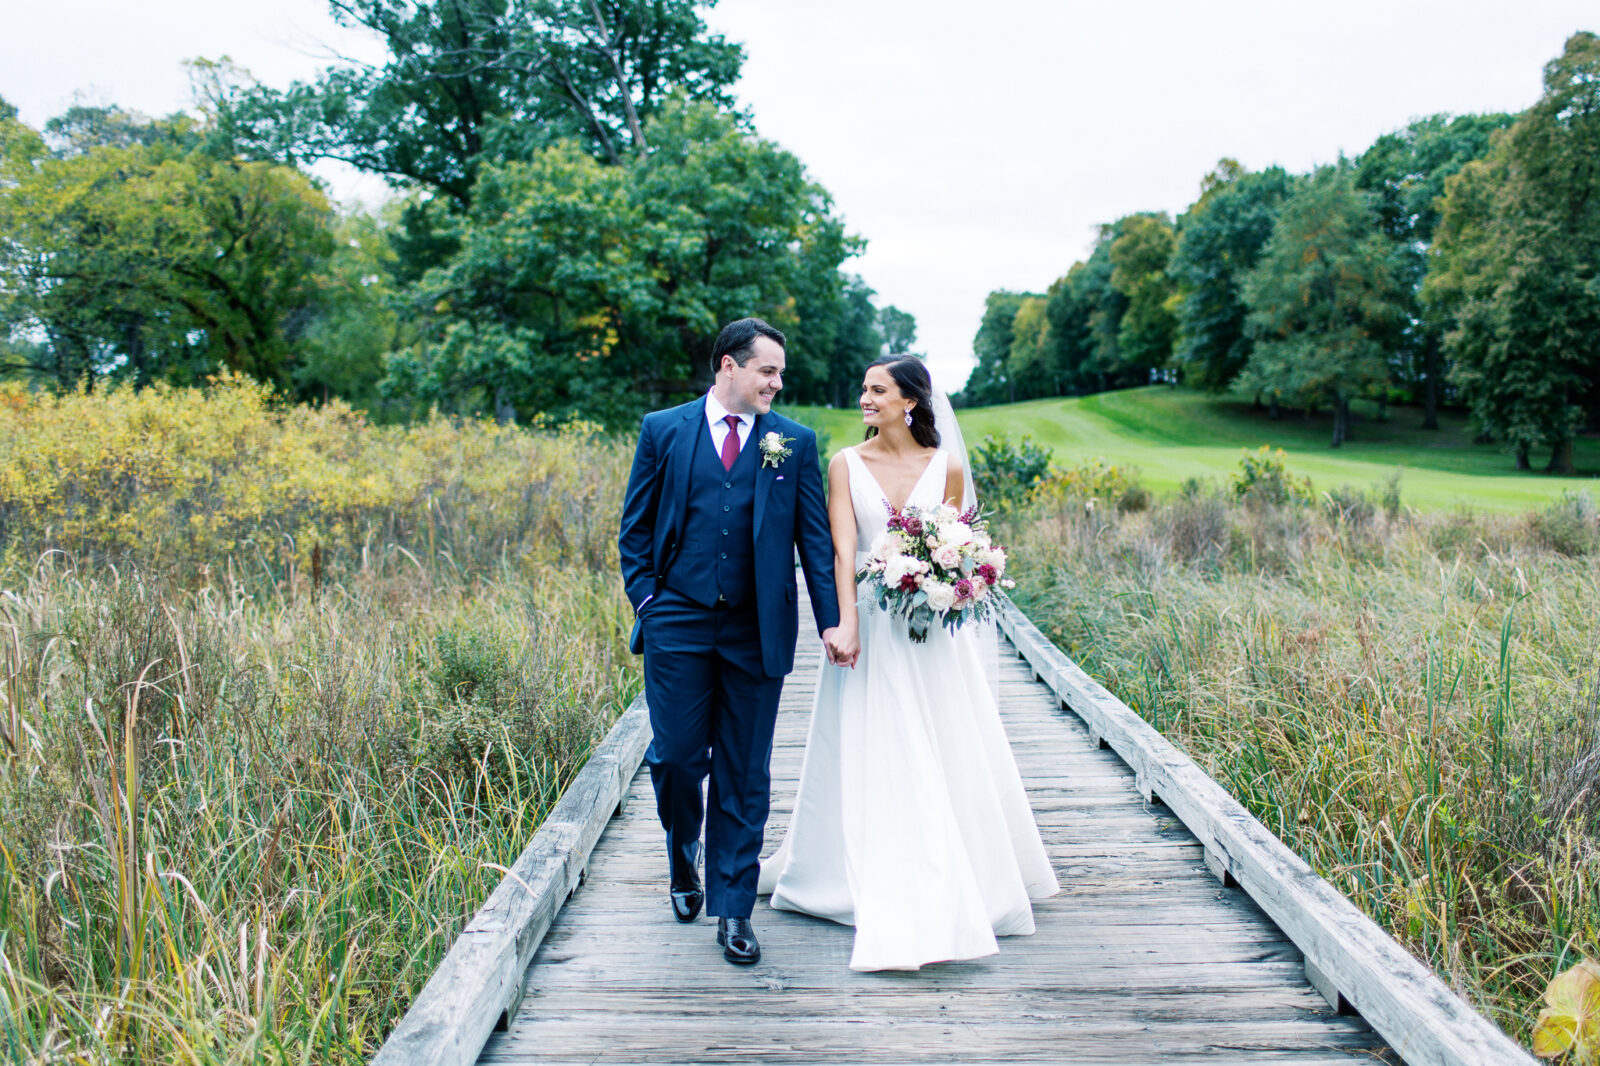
{"x": 894, "y": 568}
{"x": 956, "y": 533}
{"x": 941, "y": 597}
{"x": 948, "y": 557}
{"x": 981, "y": 538}
{"x": 772, "y": 442}
{"x": 980, "y": 589}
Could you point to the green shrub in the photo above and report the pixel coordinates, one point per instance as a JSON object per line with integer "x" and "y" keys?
{"x": 1263, "y": 477}
{"x": 1568, "y": 525}
{"x": 1006, "y": 475}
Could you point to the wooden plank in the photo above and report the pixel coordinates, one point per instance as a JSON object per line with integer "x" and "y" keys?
{"x": 1350, "y": 958}
{"x": 480, "y": 980}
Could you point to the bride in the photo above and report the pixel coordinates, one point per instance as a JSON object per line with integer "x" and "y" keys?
{"x": 910, "y": 822}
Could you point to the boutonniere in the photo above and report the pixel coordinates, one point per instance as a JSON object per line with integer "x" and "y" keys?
{"x": 775, "y": 449}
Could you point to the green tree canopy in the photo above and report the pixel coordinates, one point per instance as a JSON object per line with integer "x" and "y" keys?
{"x": 1220, "y": 239}
{"x": 1139, "y": 257}
{"x": 991, "y": 380}
{"x": 582, "y": 289}
{"x": 149, "y": 259}
{"x": 1326, "y": 300}
{"x": 469, "y": 82}
{"x": 1518, "y": 267}
{"x": 1406, "y": 171}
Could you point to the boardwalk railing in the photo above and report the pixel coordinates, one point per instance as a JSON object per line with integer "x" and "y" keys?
{"x": 1348, "y": 958}
{"x": 480, "y": 980}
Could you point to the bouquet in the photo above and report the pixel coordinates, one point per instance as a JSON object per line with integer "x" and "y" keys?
{"x": 934, "y": 564}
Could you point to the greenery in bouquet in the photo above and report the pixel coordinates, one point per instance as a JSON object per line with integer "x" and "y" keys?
{"x": 935, "y": 564}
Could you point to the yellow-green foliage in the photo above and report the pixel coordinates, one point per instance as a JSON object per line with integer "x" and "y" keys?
{"x": 1410, "y": 703}
{"x": 1093, "y": 479}
{"x": 180, "y": 477}
{"x": 248, "y": 797}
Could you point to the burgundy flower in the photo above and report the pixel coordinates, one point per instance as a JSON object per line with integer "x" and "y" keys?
{"x": 908, "y": 583}
{"x": 963, "y": 589}
{"x": 987, "y": 573}
{"x": 913, "y": 526}
{"x": 895, "y": 520}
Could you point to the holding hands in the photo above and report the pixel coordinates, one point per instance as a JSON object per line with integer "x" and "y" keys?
{"x": 843, "y": 645}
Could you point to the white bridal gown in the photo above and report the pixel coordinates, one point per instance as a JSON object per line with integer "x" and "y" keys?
{"x": 911, "y": 822}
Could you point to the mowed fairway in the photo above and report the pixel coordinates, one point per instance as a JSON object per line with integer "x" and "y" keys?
{"x": 1174, "y": 434}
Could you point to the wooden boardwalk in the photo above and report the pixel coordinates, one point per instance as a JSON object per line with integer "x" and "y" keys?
{"x": 1144, "y": 957}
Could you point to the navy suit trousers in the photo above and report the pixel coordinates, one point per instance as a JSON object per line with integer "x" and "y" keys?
{"x": 712, "y": 710}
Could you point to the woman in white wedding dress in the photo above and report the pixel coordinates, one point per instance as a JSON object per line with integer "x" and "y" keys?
{"x": 910, "y": 822}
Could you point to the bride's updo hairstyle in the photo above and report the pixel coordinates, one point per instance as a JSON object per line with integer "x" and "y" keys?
{"x": 911, "y": 376}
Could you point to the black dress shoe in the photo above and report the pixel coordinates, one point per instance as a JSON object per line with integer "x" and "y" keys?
{"x": 687, "y": 895}
{"x": 686, "y": 905}
{"x": 738, "y": 941}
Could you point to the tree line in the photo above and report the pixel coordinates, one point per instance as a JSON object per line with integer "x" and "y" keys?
{"x": 580, "y": 205}
{"x": 1455, "y": 261}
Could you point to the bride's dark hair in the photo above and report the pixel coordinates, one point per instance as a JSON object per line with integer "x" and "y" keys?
{"x": 911, "y": 376}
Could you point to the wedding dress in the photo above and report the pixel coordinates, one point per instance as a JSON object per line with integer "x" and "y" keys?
{"x": 911, "y": 822}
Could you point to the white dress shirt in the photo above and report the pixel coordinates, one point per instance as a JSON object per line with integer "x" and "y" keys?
{"x": 715, "y": 413}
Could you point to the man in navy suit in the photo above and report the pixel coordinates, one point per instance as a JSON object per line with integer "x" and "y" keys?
{"x": 722, "y": 493}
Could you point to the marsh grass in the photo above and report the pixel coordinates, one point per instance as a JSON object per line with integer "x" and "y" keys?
{"x": 252, "y": 782}
{"x": 1409, "y": 702}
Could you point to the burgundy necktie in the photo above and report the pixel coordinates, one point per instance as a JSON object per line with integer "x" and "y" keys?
{"x": 730, "y": 445}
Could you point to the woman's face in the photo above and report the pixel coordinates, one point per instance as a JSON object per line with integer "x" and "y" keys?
{"x": 882, "y": 403}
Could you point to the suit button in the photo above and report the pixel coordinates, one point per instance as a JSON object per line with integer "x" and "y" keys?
{"x": 724, "y": 555}
{"x": 727, "y": 485}
{"x": 727, "y": 507}
{"x": 724, "y": 532}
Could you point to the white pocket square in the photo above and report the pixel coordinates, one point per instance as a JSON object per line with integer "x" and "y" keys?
{"x": 778, "y": 478}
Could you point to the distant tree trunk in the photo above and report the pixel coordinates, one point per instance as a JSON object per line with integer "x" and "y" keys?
{"x": 504, "y": 412}
{"x": 1430, "y": 385}
{"x": 1341, "y": 422}
{"x": 1560, "y": 457}
{"x": 1274, "y": 412}
{"x": 1522, "y": 457}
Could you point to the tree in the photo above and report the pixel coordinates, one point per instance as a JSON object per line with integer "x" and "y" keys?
{"x": 1029, "y": 363}
{"x": 1139, "y": 256}
{"x": 469, "y": 82}
{"x": 991, "y": 381}
{"x": 1326, "y": 300}
{"x": 1219, "y": 240}
{"x": 1406, "y": 171}
{"x": 899, "y": 329}
{"x": 147, "y": 259}
{"x": 583, "y": 289}
{"x": 1519, "y": 266}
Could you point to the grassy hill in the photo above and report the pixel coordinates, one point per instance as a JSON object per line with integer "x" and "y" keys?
{"x": 1173, "y": 434}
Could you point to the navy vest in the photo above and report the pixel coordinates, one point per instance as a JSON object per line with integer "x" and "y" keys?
{"x": 717, "y": 559}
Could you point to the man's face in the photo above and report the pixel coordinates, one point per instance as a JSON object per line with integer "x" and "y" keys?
{"x": 749, "y": 389}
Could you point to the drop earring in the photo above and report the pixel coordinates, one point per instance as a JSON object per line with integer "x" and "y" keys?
{"x": 908, "y": 419}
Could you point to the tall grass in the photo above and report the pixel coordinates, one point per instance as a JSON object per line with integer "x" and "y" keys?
{"x": 266, "y": 747}
{"x": 1410, "y": 703}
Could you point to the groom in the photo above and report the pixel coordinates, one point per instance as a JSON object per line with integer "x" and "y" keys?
{"x": 721, "y": 494}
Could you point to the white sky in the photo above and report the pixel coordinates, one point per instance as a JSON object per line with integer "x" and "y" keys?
{"x": 975, "y": 146}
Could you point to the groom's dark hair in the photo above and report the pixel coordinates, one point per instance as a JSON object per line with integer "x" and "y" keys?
{"x": 738, "y": 338}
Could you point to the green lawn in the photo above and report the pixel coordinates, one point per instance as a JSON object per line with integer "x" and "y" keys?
{"x": 1173, "y": 434}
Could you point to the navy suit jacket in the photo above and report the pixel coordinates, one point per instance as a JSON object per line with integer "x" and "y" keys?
{"x": 790, "y": 513}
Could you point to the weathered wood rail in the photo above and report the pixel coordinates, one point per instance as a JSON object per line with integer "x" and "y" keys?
{"x": 1143, "y": 957}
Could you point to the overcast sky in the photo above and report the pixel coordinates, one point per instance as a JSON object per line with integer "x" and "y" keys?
{"x": 975, "y": 146}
